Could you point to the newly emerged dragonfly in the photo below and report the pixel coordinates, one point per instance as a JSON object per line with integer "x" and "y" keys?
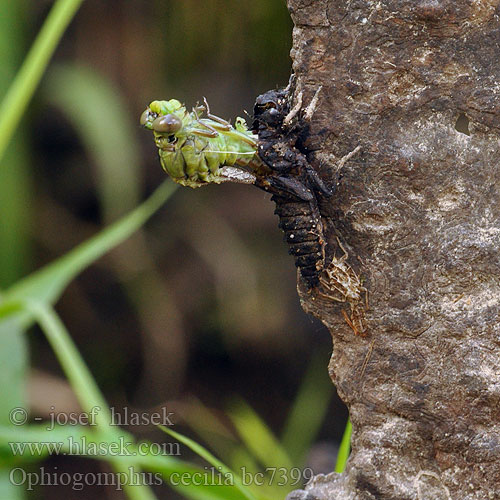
{"x": 196, "y": 151}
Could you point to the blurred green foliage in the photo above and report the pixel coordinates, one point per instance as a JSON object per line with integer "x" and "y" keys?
{"x": 16, "y": 189}
{"x": 15, "y": 215}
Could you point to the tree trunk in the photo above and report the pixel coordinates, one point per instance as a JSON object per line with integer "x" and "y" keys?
{"x": 416, "y": 348}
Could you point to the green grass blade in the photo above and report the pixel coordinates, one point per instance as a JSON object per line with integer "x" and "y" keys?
{"x": 47, "y": 284}
{"x": 257, "y": 437}
{"x": 187, "y": 479}
{"x": 16, "y": 191}
{"x": 15, "y": 441}
{"x": 215, "y": 462}
{"x": 7, "y": 489}
{"x": 61, "y": 434}
{"x": 37, "y": 433}
{"x": 82, "y": 94}
{"x": 16, "y": 204}
{"x": 169, "y": 467}
{"x": 204, "y": 492}
{"x": 85, "y": 388}
{"x": 8, "y": 308}
{"x": 344, "y": 449}
{"x": 13, "y": 363}
{"x": 215, "y": 433}
{"x": 15, "y": 245}
{"x": 76, "y": 370}
{"x": 308, "y": 411}
{"x": 240, "y": 457}
{"x": 22, "y": 88}
{"x": 196, "y": 448}
{"x": 89, "y": 396}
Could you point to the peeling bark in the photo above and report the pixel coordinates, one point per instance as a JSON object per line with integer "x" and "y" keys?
{"x": 415, "y": 84}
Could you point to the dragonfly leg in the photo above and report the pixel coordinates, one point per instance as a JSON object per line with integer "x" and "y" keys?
{"x": 221, "y": 121}
{"x": 210, "y": 132}
{"x": 198, "y": 110}
{"x": 205, "y": 133}
{"x": 218, "y": 126}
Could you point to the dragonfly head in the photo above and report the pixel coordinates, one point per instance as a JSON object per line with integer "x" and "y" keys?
{"x": 164, "y": 117}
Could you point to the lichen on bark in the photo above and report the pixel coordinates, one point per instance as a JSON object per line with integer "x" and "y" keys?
{"x": 415, "y": 84}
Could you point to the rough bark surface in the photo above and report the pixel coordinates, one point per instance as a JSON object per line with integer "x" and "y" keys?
{"x": 416, "y": 84}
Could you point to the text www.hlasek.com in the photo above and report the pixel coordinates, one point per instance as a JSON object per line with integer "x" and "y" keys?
{"x": 83, "y": 446}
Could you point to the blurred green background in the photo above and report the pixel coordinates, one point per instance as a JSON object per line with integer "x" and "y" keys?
{"x": 200, "y": 307}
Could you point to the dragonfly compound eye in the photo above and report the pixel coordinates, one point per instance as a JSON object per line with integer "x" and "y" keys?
{"x": 167, "y": 124}
{"x": 146, "y": 117}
